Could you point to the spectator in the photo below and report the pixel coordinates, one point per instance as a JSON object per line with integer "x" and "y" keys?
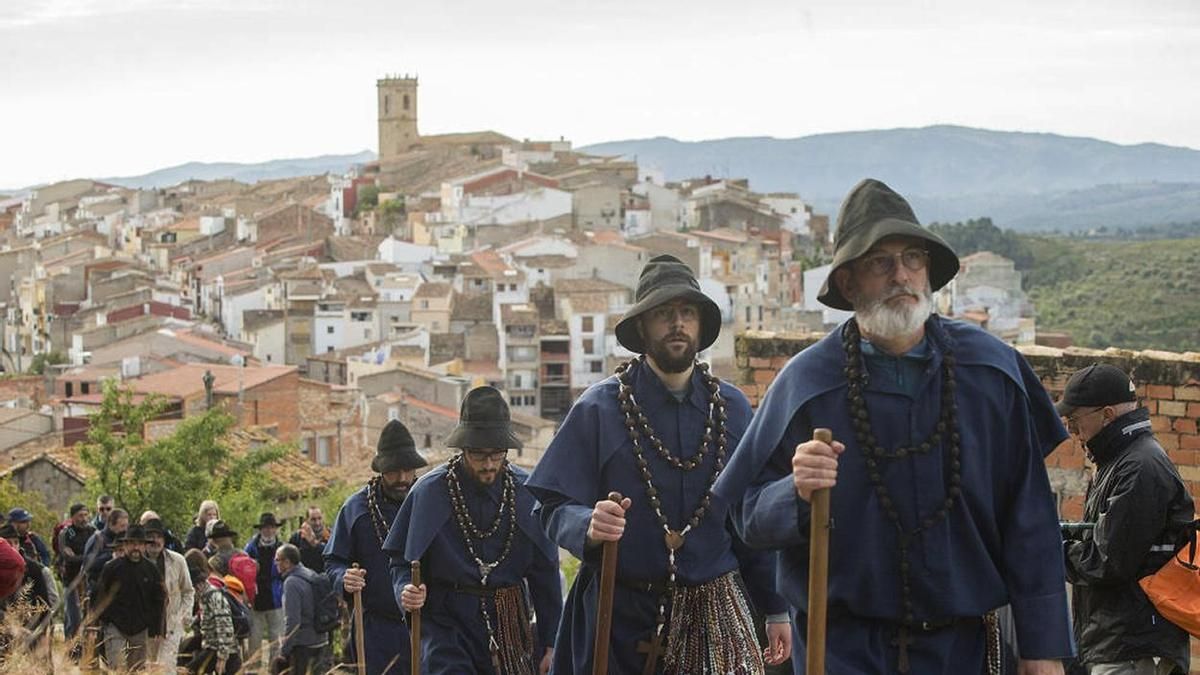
{"x": 43, "y": 593}
{"x": 72, "y": 542}
{"x": 218, "y": 650}
{"x": 164, "y": 651}
{"x": 266, "y": 616}
{"x": 100, "y": 546}
{"x": 303, "y": 649}
{"x": 104, "y": 506}
{"x": 197, "y": 537}
{"x": 31, "y": 544}
{"x": 1141, "y": 509}
{"x": 311, "y": 539}
{"x": 131, "y": 594}
{"x": 170, "y": 541}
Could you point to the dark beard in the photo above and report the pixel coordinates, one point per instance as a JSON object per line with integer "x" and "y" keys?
{"x": 396, "y": 492}
{"x": 666, "y": 361}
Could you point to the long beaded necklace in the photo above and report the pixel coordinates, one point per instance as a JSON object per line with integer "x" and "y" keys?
{"x": 379, "y": 525}
{"x": 638, "y": 426}
{"x": 873, "y": 454}
{"x": 472, "y": 533}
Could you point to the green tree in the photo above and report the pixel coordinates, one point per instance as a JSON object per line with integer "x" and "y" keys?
{"x": 12, "y": 496}
{"x": 368, "y": 198}
{"x": 37, "y": 366}
{"x": 172, "y": 474}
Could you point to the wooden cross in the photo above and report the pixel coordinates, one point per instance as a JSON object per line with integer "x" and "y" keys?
{"x": 652, "y": 650}
{"x": 902, "y": 640}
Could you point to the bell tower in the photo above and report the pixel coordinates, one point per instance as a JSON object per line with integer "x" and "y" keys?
{"x": 397, "y": 115}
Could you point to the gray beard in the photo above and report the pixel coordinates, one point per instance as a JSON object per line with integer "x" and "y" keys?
{"x": 881, "y": 320}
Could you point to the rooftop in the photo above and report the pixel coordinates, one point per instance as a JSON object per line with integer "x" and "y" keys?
{"x": 188, "y": 380}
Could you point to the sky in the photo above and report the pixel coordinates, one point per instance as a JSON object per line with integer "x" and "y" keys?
{"x": 94, "y": 88}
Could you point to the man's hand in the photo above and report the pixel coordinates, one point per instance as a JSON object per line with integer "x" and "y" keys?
{"x": 608, "y": 521}
{"x": 814, "y": 466}
{"x": 1040, "y": 667}
{"x": 547, "y": 660}
{"x": 412, "y": 597}
{"x": 355, "y": 579}
{"x": 779, "y": 643}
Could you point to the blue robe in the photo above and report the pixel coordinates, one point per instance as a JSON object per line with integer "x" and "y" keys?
{"x": 1000, "y": 543}
{"x": 454, "y": 638}
{"x": 353, "y": 540}
{"x": 592, "y": 455}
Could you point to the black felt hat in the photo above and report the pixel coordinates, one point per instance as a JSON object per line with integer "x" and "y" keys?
{"x": 484, "y": 422}
{"x": 396, "y": 450}
{"x": 872, "y": 212}
{"x": 267, "y": 520}
{"x": 155, "y": 525}
{"x": 220, "y": 529}
{"x": 666, "y": 278}
{"x": 1096, "y": 386}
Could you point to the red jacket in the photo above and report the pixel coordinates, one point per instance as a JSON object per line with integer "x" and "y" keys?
{"x": 12, "y": 569}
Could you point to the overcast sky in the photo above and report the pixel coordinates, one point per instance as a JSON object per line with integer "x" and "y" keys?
{"x": 122, "y": 87}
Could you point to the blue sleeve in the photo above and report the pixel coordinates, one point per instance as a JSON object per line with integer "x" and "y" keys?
{"x": 401, "y": 568}
{"x": 252, "y": 549}
{"x": 758, "y": 572}
{"x": 43, "y": 552}
{"x": 770, "y": 514}
{"x": 567, "y": 476}
{"x": 1032, "y": 557}
{"x": 545, "y": 587}
{"x": 566, "y": 524}
{"x": 339, "y": 550}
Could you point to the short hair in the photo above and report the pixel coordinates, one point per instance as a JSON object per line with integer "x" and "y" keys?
{"x": 104, "y": 499}
{"x": 76, "y": 508}
{"x": 290, "y": 553}
{"x": 115, "y": 515}
{"x": 218, "y": 564}
{"x": 195, "y": 558}
{"x": 310, "y": 509}
{"x": 148, "y": 516}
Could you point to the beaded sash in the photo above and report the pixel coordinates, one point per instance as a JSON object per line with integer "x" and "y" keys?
{"x": 712, "y": 630}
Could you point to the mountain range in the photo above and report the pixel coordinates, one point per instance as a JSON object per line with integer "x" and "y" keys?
{"x": 1024, "y": 181}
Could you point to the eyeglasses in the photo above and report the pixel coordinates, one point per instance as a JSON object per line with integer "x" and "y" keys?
{"x": 884, "y": 264}
{"x": 104, "y": 509}
{"x": 667, "y": 313}
{"x": 1073, "y": 420}
{"x": 486, "y": 455}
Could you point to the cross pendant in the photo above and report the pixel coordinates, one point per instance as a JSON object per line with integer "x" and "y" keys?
{"x": 652, "y": 650}
{"x": 485, "y": 570}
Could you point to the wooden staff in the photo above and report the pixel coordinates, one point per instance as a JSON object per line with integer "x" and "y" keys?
{"x": 604, "y": 610}
{"x": 414, "y": 625}
{"x": 818, "y": 570}
{"x": 360, "y": 651}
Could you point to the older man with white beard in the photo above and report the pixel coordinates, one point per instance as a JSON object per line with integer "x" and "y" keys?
{"x": 942, "y": 506}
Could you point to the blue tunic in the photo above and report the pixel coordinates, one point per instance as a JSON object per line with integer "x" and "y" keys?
{"x": 592, "y": 455}
{"x": 1000, "y": 544}
{"x": 353, "y": 540}
{"x": 454, "y": 638}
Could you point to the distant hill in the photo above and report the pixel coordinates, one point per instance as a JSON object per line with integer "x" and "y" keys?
{"x": 1022, "y": 180}
{"x": 246, "y": 173}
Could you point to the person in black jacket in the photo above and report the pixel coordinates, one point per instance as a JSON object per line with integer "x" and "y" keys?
{"x": 1141, "y": 511}
{"x": 133, "y": 598}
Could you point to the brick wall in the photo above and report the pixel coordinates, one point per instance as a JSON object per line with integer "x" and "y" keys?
{"x": 277, "y": 403}
{"x": 1168, "y": 384}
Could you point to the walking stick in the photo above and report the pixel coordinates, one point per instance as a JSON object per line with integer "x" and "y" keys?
{"x": 818, "y": 570}
{"x": 414, "y": 625}
{"x": 360, "y": 652}
{"x": 604, "y": 610}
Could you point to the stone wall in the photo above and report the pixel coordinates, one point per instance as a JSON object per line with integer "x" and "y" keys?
{"x": 1168, "y": 384}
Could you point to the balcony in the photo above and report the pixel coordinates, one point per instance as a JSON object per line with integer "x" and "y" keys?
{"x": 555, "y": 357}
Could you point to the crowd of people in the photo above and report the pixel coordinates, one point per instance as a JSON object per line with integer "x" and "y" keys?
{"x": 947, "y": 555}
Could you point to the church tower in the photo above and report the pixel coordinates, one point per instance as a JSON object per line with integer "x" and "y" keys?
{"x": 397, "y": 115}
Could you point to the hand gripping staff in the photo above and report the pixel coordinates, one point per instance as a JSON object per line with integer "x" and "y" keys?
{"x": 818, "y": 570}
{"x": 604, "y": 609}
{"x": 414, "y": 626}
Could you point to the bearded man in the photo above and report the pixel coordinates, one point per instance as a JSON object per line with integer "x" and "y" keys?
{"x": 942, "y": 507}
{"x": 659, "y": 432}
{"x": 360, "y": 529}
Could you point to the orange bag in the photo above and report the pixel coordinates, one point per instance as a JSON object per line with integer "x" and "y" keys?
{"x": 1175, "y": 588}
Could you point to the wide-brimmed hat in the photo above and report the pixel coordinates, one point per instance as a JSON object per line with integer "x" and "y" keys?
{"x": 218, "y": 529}
{"x": 1096, "y": 386}
{"x": 666, "y": 278}
{"x": 396, "y": 450}
{"x": 134, "y": 533}
{"x": 872, "y": 212}
{"x": 267, "y": 520}
{"x": 484, "y": 422}
{"x": 155, "y": 526}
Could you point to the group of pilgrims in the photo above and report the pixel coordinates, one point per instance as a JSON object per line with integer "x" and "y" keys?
{"x": 942, "y": 509}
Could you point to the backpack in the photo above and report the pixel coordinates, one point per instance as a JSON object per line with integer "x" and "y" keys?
{"x": 326, "y": 613}
{"x": 238, "y": 613}
{"x": 59, "y": 564}
{"x": 245, "y": 569}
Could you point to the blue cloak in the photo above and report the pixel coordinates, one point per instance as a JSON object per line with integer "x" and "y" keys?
{"x": 999, "y": 545}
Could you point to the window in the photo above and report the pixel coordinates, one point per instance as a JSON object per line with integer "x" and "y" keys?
{"x": 424, "y": 304}
{"x": 589, "y": 346}
{"x": 428, "y": 443}
{"x": 329, "y": 349}
{"x": 760, "y": 312}
{"x": 268, "y": 358}
{"x": 588, "y": 324}
{"x": 70, "y": 389}
{"x": 393, "y": 413}
{"x": 406, "y": 101}
{"x": 329, "y": 330}
{"x": 323, "y": 451}
{"x": 367, "y": 333}
{"x": 83, "y": 388}
{"x": 597, "y": 366}
{"x": 387, "y": 104}
{"x": 747, "y": 315}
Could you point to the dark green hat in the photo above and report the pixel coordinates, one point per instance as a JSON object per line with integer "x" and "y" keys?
{"x": 484, "y": 422}
{"x": 666, "y": 278}
{"x": 396, "y": 450}
{"x": 872, "y": 212}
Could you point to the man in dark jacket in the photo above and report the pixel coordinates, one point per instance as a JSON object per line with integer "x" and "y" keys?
{"x": 31, "y": 544}
{"x": 1141, "y": 509}
{"x": 311, "y": 539}
{"x": 101, "y": 545}
{"x": 133, "y": 598}
{"x": 304, "y": 650}
{"x": 72, "y": 540}
{"x": 266, "y": 616}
